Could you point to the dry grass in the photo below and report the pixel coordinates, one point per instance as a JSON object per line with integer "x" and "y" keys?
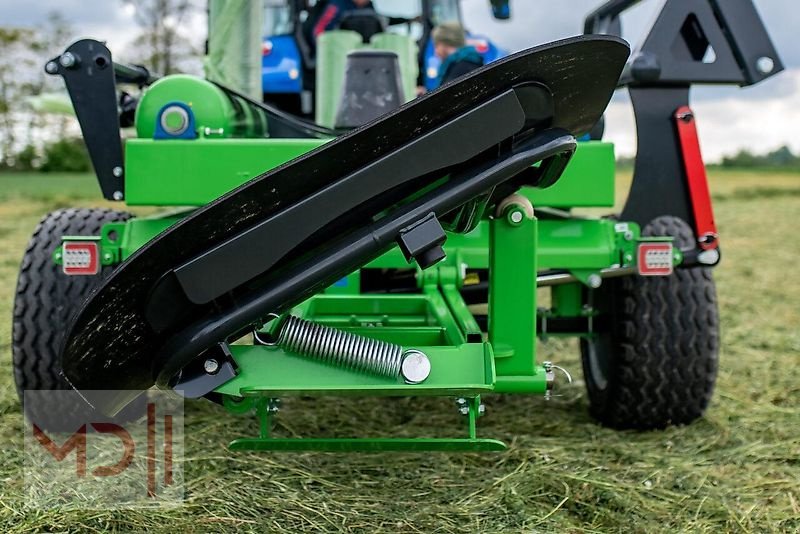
{"x": 738, "y": 469}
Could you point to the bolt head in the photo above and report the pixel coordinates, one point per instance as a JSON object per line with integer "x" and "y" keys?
{"x": 211, "y": 366}
{"x": 117, "y": 171}
{"x": 594, "y": 281}
{"x": 274, "y": 405}
{"x": 516, "y": 217}
{"x": 628, "y": 235}
{"x": 51, "y": 67}
{"x": 464, "y": 410}
{"x": 481, "y": 409}
{"x": 117, "y": 195}
{"x": 415, "y": 367}
{"x": 765, "y": 64}
{"x": 67, "y": 60}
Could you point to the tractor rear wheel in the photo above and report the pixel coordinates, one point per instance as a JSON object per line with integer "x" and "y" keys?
{"x": 655, "y": 362}
{"x": 46, "y": 298}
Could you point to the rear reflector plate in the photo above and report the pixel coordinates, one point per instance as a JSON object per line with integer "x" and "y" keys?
{"x": 655, "y": 259}
{"x": 80, "y": 258}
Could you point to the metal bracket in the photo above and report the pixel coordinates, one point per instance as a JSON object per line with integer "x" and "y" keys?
{"x": 88, "y": 73}
{"x": 265, "y": 412}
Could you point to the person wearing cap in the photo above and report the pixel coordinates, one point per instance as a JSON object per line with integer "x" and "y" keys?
{"x": 450, "y": 46}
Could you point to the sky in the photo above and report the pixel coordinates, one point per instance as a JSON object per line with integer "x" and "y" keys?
{"x": 760, "y": 118}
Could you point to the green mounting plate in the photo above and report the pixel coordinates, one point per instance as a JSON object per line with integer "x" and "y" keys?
{"x": 465, "y": 370}
{"x": 368, "y": 444}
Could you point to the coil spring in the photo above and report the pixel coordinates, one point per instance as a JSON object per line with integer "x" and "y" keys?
{"x": 340, "y": 348}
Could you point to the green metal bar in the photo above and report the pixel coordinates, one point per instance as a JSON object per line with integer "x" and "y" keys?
{"x": 462, "y": 315}
{"x": 588, "y": 180}
{"x": 567, "y": 300}
{"x": 533, "y": 384}
{"x": 474, "y": 413}
{"x": 458, "y": 371}
{"x": 200, "y": 170}
{"x": 262, "y": 411}
{"x": 369, "y": 444}
{"x": 455, "y": 335}
{"x": 512, "y": 292}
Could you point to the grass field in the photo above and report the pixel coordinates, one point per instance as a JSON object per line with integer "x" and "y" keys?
{"x": 738, "y": 469}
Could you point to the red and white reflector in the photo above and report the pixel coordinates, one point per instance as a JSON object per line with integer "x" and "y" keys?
{"x": 654, "y": 259}
{"x": 80, "y": 258}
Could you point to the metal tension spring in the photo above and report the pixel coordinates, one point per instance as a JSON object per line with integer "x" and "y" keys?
{"x": 350, "y": 351}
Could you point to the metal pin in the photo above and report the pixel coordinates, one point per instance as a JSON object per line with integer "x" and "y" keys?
{"x": 67, "y": 60}
{"x": 211, "y": 366}
{"x": 765, "y": 64}
{"x": 594, "y": 281}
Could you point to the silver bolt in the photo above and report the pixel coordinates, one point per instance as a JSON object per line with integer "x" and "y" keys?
{"x": 516, "y": 217}
{"x": 118, "y": 195}
{"x": 481, "y": 409}
{"x": 628, "y": 235}
{"x": 415, "y": 367}
{"x": 211, "y": 366}
{"x": 213, "y": 131}
{"x": 463, "y": 406}
{"x": 67, "y": 60}
{"x": 51, "y": 67}
{"x": 273, "y": 405}
{"x": 594, "y": 281}
{"x": 117, "y": 171}
{"x": 765, "y": 64}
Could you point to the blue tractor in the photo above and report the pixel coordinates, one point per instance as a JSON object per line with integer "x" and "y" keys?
{"x": 289, "y": 55}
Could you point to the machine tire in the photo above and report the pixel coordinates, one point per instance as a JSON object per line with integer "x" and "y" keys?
{"x": 655, "y": 362}
{"x": 44, "y": 301}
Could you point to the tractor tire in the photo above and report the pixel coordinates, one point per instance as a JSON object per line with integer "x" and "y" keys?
{"x": 45, "y": 299}
{"x": 654, "y": 363}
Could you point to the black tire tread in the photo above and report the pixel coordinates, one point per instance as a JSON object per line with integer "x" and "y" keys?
{"x": 663, "y": 344}
{"x": 45, "y": 297}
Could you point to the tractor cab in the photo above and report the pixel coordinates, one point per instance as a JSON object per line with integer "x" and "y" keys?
{"x": 290, "y": 52}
